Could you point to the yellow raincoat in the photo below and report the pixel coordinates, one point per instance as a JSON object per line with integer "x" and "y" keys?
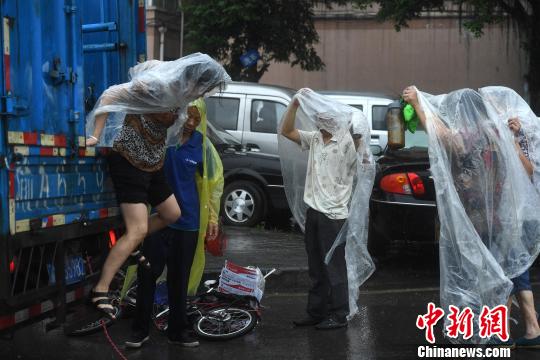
{"x": 210, "y": 188}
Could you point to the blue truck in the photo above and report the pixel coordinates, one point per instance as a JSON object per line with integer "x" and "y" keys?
{"x": 59, "y": 216}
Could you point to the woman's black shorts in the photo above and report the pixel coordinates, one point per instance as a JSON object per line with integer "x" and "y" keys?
{"x": 133, "y": 185}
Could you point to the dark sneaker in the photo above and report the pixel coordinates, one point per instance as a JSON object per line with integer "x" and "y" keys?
{"x": 533, "y": 343}
{"x": 185, "y": 340}
{"x": 496, "y": 342}
{"x": 330, "y": 323}
{"x": 307, "y": 321}
{"x": 136, "y": 340}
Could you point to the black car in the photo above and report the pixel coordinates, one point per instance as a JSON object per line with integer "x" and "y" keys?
{"x": 402, "y": 204}
{"x": 253, "y": 181}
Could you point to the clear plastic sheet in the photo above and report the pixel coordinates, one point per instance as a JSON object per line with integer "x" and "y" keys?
{"x": 158, "y": 86}
{"x": 488, "y": 210}
{"x": 508, "y": 105}
{"x": 311, "y": 116}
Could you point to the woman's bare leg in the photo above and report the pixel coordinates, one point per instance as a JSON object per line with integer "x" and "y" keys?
{"x": 138, "y": 225}
{"x": 135, "y": 218}
{"x": 166, "y": 213}
{"x": 528, "y": 313}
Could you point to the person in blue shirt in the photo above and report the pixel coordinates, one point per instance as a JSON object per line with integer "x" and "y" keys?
{"x": 180, "y": 243}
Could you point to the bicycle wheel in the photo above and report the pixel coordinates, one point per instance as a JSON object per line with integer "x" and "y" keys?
{"x": 225, "y": 323}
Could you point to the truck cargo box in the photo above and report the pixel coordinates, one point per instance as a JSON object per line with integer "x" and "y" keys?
{"x": 58, "y": 207}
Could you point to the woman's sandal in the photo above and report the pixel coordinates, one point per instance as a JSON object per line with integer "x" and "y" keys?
{"x": 139, "y": 259}
{"x": 102, "y": 302}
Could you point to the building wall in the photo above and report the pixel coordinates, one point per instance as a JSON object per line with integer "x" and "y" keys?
{"x": 171, "y": 20}
{"x": 437, "y": 55}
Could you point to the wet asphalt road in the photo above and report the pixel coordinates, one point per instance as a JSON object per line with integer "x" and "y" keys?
{"x": 385, "y": 328}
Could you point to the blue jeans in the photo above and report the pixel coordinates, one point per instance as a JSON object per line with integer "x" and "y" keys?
{"x": 521, "y": 283}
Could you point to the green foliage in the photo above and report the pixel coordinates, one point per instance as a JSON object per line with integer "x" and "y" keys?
{"x": 282, "y": 31}
{"x": 478, "y": 12}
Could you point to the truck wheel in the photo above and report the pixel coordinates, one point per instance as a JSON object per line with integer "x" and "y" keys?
{"x": 243, "y": 204}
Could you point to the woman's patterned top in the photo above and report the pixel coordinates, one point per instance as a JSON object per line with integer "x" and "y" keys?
{"x": 142, "y": 141}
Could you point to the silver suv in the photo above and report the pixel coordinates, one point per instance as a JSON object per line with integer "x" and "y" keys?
{"x": 253, "y": 183}
{"x": 251, "y": 112}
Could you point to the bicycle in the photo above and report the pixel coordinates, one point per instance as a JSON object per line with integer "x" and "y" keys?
{"x": 213, "y": 315}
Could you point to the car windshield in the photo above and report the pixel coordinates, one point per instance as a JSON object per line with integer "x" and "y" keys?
{"x": 418, "y": 139}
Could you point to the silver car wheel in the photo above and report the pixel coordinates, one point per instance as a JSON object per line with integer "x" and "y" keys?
{"x": 239, "y": 206}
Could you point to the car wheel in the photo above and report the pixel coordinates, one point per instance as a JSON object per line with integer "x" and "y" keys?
{"x": 243, "y": 204}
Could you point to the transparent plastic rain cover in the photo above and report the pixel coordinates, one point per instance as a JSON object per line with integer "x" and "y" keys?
{"x": 310, "y": 116}
{"x": 488, "y": 208}
{"x": 508, "y": 105}
{"x": 158, "y": 86}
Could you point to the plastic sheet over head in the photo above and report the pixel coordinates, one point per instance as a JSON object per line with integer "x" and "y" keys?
{"x": 318, "y": 112}
{"x": 158, "y": 86}
{"x": 488, "y": 209}
{"x": 508, "y": 105}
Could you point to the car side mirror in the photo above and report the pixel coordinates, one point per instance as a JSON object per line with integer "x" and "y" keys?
{"x": 376, "y": 150}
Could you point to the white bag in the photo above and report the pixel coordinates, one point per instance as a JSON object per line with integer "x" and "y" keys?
{"x": 239, "y": 280}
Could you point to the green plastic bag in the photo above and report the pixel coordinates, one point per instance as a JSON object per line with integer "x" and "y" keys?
{"x": 409, "y": 116}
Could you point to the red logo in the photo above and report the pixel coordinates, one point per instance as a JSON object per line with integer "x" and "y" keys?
{"x": 429, "y": 320}
{"x": 460, "y": 323}
{"x": 490, "y": 322}
{"x": 493, "y": 322}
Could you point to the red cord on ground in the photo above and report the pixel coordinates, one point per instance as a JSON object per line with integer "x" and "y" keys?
{"x": 116, "y": 349}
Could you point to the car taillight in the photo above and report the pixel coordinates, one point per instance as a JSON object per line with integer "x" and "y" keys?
{"x": 12, "y": 266}
{"x": 403, "y": 183}
{"x": 416, "y": 183}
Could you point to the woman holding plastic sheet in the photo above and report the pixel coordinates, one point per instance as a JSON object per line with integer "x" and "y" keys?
{"x": 195, "y": 173}
{"x": 135, "y": 118}
{"x": 335, "y": 158}
{"x": 525, "y": 127}
{"x": 484, "y": 200}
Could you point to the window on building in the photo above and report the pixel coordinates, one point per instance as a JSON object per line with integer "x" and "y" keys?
{"x": 265, "y": 116}
{"x": 171, "y": 5}
{"x": 223, "y": 112}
